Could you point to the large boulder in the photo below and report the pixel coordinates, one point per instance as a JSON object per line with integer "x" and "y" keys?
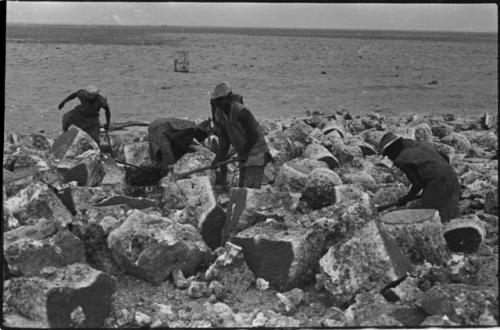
{"x": 72, "y": 143}
{"x": 35, "y": 202}
{"x": 462, "y": 304}
{"x": 372, "y": 136}
{"x": 441, "y": 129}
{"x": 231, "y": 270}
{"x": 465, "y": 234}
{"x": 319, "y": 188}
{"x": 136, "y": 153}
{"x": 488, "y": 141}
{"x": 286, "y": 258}
{"x": 201, "y": 157}
{"x": 200, "y": 208}
{"x": 150, "y": 247}
{"x": 28, "y": 249}
{"x": 363, "y": 263}
{"x": 458, "y": 141}
{"x": 73, "y": 296}
{"x": 248, "y": 206}
{"x": 418, "y": 232}
{"x": 293, "y": 174}
{"x": 346, "y": 153}
{"x": 299, "y": 132}
{"x": 388, "y": 194}
{"x": 86, "y": 169}
{"x": 280, "y": 146}
{"x": 423, "y": 133}
{"x": 316, "y": 151}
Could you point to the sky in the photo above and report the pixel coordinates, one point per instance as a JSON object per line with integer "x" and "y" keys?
{"x": 420, "y": 17}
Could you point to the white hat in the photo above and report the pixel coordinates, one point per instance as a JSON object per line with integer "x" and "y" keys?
{"x": 221, "y": 90}
{"x": 91, "y": 89}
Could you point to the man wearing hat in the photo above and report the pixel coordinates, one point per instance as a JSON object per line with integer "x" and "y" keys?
{"x": 235, "y": 125}
{"x": 86, "y": 114}
{"x": 427, "y": 170}
{"x": 171, "y": 138}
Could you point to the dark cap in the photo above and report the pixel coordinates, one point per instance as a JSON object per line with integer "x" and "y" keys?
{"x": 388, "y": 139}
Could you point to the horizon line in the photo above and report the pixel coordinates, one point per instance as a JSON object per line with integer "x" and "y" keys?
{"x": 246, "y": 27}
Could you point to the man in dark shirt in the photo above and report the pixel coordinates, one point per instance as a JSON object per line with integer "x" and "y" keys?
{"x": 427, "y": 170}
{"x": 170, "y": 138}
{"x": 86, "y": 114}
{"x": 235, "y": 125}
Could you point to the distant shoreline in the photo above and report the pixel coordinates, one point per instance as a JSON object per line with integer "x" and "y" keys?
{"x": 29, "y": 32}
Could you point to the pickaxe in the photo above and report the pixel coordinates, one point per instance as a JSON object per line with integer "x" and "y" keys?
{"x": 179, "y": 176}
{"x": 388, "y": 206}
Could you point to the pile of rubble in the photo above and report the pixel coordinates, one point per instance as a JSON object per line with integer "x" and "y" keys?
{"x": 73, "y": 226}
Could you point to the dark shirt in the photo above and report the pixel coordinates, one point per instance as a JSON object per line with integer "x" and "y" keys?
{"x": 91, "y": 107}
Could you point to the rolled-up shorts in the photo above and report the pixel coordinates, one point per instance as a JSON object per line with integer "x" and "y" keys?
{"x": 251, "y": 176}
{"x": 442, "y": 196}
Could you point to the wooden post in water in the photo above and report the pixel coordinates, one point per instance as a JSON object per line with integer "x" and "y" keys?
{"x": 181, "y": 61}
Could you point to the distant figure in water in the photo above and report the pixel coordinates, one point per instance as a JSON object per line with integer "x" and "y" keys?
{"x": 86, "y": 114}
{"x": 171, "y": 138}
{"x": 426, "y": 169}
{"x": 235, "y": 125}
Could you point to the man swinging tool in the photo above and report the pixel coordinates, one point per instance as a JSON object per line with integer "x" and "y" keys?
{"x": 427, "y": 170}
{"x": 171, "y": 138}
{"x": 234, "y": 124}
{"x": 86, "y": 114}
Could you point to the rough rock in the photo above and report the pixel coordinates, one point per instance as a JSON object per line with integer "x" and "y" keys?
{"x": 360, "y": 264}
{"x": 150, "y": 247}
{"x": 441, "y": 129}
{"x": 491, "y": 202}
{"x": 423, "y": 133}
{"x": 73, "y": 296}
{"x": 371, "y": 309}
{"x": 202, "y": 157}
{"x": 293, "y": 174}
{"x": 488, "y": 141}
{"x": 389, "y": 194}
{"x": 94, "y": 238}
{"x": 361, "y": 178}
{"x": 231, "y": 270}
{"x": 14, "y": 182}
{"x": 319, "y": 188}
{"x": 290, "y": 300}
{"x": 86, "y": 169}
{"x": 462, "y": 304}
{"x": 346, "y": 153}
{"x": 200, "y": 209}
{"x": 299, "y": 131}
{"x": 136, "y": 153}
{"x": 35, "y": 202}
{"x": 316, "y": 151}
{"x": 458, "y": 141}
{"x": 179, "y": 280}
{"x": 9, "y": 221}
{"x": 372, "y": 137}
{"x": 114, "y": 177}
{"x": 30, "y": 248}
{"x": 280, "y": 146}
{"x": 445, "y": 149}
{"x": 141, "y": 319}
{"x": 407, "y": 291}
{"x": 418, "y": 232}
{"x": 465, "y": 234}
{"x": 285, "y": 258}
{"x": 248, "y": 206}
{"x": 438, "y": 321}
{"x": 72, "y": 143}
{"x": 197, "y": 289}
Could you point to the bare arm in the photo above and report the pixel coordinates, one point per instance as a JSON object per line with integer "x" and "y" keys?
{"x": 223, "y": 149}
{"x": 251, "y": 127}
{"x": 67, "y": 99}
